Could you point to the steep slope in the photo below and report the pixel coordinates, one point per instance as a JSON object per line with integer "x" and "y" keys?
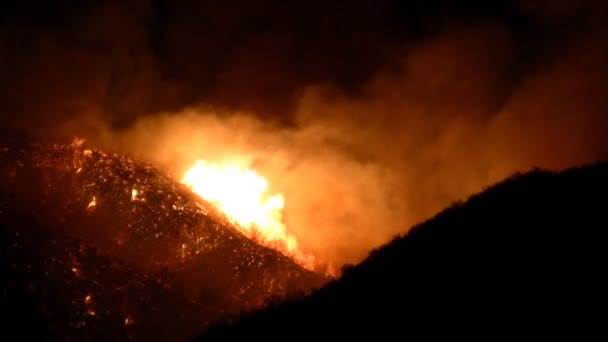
{"x": 99, "y": 246}
{"x": 527, "y": 256}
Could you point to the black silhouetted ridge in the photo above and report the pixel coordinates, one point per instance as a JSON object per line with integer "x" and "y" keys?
{"x": 524, "y": 258}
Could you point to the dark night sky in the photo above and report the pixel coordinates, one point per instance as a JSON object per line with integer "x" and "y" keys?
{"x": 130, "y": 58}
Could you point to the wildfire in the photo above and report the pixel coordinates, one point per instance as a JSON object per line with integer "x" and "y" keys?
{"x": 242, "y": 195}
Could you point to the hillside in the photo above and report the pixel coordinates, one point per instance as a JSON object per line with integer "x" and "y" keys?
{"x": 526, "y": 257}
{"x": 99, "y": 246}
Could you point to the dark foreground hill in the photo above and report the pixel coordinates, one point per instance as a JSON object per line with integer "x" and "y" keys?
{"x": 525, "y": 258}
{"x": 97, "y": 246}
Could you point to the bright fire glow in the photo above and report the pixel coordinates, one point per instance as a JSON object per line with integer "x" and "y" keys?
{"x": 242, "y": 195}
{"x": 92, "y": 203}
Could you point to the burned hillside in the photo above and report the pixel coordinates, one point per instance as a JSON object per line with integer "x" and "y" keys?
{"x": 99, "y": 244}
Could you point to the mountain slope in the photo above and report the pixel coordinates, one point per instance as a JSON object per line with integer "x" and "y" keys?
{"x": 101, "y": 246}
{"x": 526, "y": 256}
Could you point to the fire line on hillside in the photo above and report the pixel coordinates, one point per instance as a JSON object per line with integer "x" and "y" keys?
{"x": 242, "y": 194}
{"x": 126, "y": 248}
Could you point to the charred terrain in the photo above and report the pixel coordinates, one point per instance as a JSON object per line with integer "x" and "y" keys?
{"x": 524, "y": 258}
{"x": 97, "y": 246}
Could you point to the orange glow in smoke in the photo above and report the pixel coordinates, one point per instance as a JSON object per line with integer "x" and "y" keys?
{"x": 241, "y": 193}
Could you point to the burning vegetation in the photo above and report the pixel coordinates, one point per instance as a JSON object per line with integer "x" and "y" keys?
{"x": 356, "y": 122}
{"x": 241, "y": 194}
{"x": 111, "y": 246}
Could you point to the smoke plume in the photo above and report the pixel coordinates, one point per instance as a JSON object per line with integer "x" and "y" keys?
{"x": 364, "y": 137}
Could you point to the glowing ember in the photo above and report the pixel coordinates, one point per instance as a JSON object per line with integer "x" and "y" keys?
{"x": 92, "y": 203}
{"x": 242, "y": 195}
{"x": 133, "y": 195}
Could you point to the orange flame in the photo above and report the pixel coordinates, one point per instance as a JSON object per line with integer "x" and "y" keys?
{"x": 242, "y": 195}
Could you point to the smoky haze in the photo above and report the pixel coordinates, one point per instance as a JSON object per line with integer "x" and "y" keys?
{"x": 368, "y": 122}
